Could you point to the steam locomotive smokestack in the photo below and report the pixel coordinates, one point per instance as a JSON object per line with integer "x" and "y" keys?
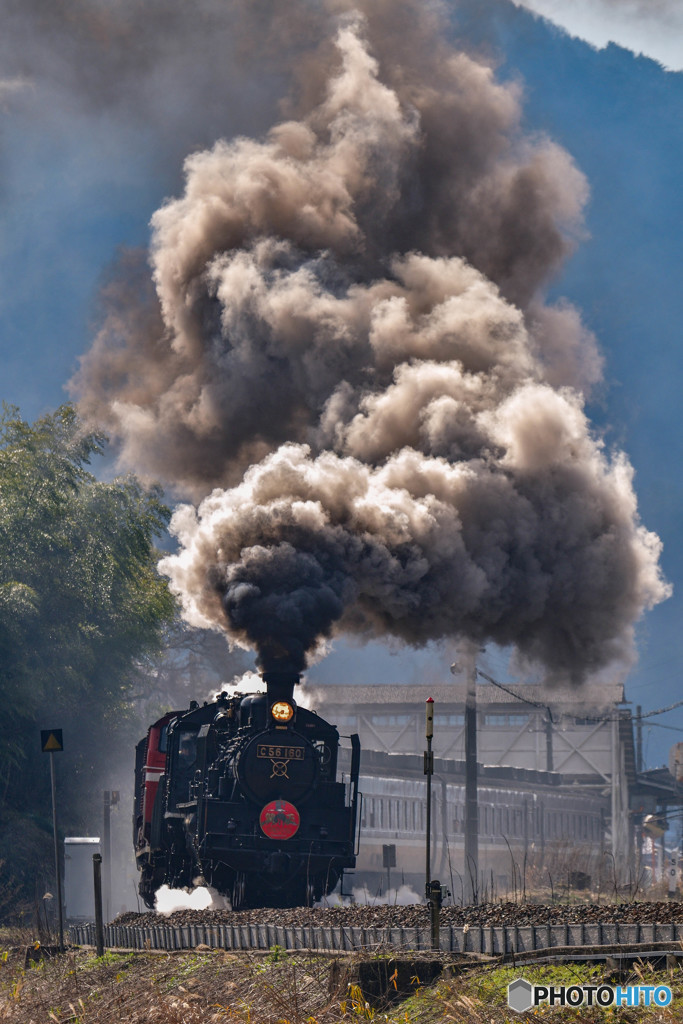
{"x": 280, "y": 684}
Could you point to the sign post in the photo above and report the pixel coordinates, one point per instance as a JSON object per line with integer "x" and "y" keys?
{"x": 97, "y": 885}
{"x": 51, "y": 743}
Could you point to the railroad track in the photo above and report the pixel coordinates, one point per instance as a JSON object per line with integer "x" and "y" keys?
{"x": 504, "y": 941}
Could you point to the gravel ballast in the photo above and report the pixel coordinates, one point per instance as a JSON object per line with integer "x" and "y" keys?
{"x": 392, "y": 916}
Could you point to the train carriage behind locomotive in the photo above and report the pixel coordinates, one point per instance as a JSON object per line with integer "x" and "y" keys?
{"x": 242, "y": 792}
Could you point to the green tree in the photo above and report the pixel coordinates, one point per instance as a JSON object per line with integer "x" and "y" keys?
{"x": 81, "y": 602}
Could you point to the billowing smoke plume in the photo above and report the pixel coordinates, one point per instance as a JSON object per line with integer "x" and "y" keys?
{"x": 277, "y": 272}
{"x": 345, "y": 330}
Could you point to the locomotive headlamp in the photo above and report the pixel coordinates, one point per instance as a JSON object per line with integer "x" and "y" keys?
{"x": 282, "y": 711}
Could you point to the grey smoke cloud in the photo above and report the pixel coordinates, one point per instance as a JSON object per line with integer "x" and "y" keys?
{"x": 273, "y": 269}
{"x": 345, "y": 346}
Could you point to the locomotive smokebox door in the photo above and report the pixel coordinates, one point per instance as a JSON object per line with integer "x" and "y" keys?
{"x": 270, "y": 766}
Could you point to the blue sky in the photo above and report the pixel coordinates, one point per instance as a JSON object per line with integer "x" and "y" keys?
{"x": 80, "y": 179}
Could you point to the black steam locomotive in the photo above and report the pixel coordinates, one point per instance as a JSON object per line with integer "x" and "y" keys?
{"x": 242, "y": 794}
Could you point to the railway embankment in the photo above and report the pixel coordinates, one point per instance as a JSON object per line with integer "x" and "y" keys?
{"x": 495, "y": 930}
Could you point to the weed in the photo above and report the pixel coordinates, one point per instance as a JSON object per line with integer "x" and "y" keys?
{"x": 356, "y": 1004}
{"x": 16, "y": 988}
{"x": 106, "y": 960}
{"x": 276, "y": 955}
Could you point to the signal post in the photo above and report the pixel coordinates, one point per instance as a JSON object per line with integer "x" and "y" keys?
{"x": 433, "y": 888}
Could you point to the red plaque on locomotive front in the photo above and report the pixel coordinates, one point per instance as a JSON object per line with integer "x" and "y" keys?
{"x": 279, "y": 819}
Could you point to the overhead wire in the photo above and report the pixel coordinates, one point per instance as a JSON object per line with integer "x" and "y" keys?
{"x": 597, "y": 717}
{"x": 517, "y": 696}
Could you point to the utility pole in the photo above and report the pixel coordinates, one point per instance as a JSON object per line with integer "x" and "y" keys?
{"x": 548, "y": 741}
{"x": 615, "y": 794}
{"x": 639, "y": 738}
{"x": 471, "y": 869}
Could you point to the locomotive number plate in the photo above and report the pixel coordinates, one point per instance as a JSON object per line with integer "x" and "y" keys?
{"x": 281, "y": 753}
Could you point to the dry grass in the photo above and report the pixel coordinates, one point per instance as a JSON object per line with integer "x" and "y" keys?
{"x": 218, "y": 987}
{"x": 203, "y": 987}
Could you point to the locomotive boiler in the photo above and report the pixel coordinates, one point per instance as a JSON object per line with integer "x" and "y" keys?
{"x": 242, "y": 794}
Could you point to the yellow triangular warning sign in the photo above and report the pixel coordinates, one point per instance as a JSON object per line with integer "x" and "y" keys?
{"x": 51, "y": 740}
